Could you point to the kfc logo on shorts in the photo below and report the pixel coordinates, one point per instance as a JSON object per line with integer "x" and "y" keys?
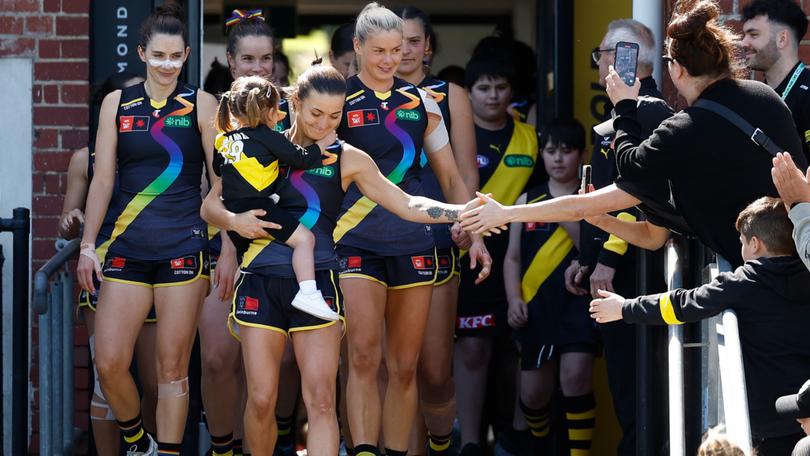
{"x": 444, "y": 261}
{"x": 118, "y": 262}
{"x": 422, "y": 262}
{"x": 177, "y": 263}
{"x": 354, "y": 262}
{"x": 330, "y": 301}
{"x": 251, "y": 304}
{"x": 476, "y": 322}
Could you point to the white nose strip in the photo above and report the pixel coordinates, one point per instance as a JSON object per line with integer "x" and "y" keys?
{"x": 166, "y": 64}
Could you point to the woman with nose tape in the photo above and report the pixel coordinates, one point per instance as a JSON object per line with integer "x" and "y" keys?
{"x": 158, "y": 135}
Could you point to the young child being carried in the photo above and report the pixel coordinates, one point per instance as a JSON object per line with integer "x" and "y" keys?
{"x": 248, "y": 159}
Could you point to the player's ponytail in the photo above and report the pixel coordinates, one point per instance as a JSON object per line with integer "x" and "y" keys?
{"x": 222, "y": 122}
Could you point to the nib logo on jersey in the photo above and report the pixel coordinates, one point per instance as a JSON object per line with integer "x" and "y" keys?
{"x": 133, "y": 123}
{"x": 518, "y": 161}
{"x": 178, "y": 122}
{"x": 363, "y": 117}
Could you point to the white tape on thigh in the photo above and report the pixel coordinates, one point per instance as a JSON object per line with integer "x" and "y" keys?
{"x": 96, "y": 386}
{"x": 100, "y": 410}
{"x": 177, "y": 388}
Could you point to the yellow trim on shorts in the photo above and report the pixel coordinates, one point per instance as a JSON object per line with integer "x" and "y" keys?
{"x": 414, "y": 285}
{"x": 453, "y": 270}
{"x": 199, "y": 276}
{"x": 233, "y": 332}
{"x": 354, "y": 275}
{"x": 126, "y": 282}
{"x": 341, "y": 318}
{"x": 257, "y": 325}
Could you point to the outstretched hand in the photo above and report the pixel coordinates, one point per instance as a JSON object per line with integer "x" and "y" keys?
{"x": 607, "y": 308}
{"x": 480, "y": 255}
{"x": 791, "y": 183}
{"x": 489, "y": 217}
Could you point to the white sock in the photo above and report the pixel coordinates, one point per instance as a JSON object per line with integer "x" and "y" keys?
{"x": 307, "y": 286}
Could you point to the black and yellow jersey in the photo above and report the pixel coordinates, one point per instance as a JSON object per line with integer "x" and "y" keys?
{"x": 314, "y": 197}
{"x": 556, "y": 316}
{"x": 506, "y": 161}
{"x": 248, "y": 160}
{"x": 440, "y": 91}
{"x": 389, "y": 126}
{"x": 160, "y": 166}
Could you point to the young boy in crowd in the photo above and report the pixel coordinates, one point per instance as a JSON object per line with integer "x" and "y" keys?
{"x": 770, "y": 294}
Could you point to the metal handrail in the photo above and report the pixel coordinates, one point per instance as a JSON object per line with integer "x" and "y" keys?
{"x": 677, "y": 435}
{"x": 43, "y": 275}
{"x": 732, "y": 377}
{"x": 53, "y": 303}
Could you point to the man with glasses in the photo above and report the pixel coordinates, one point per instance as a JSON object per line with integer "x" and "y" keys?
{"x": 607, "y": 262}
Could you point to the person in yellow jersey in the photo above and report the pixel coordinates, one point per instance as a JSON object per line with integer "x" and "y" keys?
{"x": 507, "y": 151}
{"x": 552, "y": 324}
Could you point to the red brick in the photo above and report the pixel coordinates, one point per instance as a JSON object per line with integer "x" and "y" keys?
{"x": 53, "y": 184}
{"x": 61, "y": 71}
{"x": 74, "y": 139}
{"x": 81, "y": 378}
{"x": 81, "y": 397}
{"x": 52, "y": 6}
{"x": 16, "y": 46}
{"x": 10, "y": 25}
{"x": 50, "y": 94}
{"x": 75, "y": 93}
{"x": 51, "y": 161}
{"x": 36, "y": 93}
{"x": 76, "y": 6}
{"x": 72, "y": 26}
{"x": 735, "y": 25}
{"x": 46, "y": 138}
{"x": 49, "y": 49}
{"x": 42, "y": 248}
{"x": 47, "y": 205}
{"x": 46, "y": 115}
{"x": 39, "y": 25}
{"x": 727, "y": 6}
{"x": 46, "y": 227}
{"x": 804, "y": 53}
{"x": 38, "y": 183}
{"x": 20, "y": 6}
{"x": 81, "y": 357}
{"x": 80, "y": 334}
{"x": 76, "y": 49}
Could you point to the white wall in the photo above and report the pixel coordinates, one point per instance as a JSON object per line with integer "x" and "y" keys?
{"x": 16, "y": 135}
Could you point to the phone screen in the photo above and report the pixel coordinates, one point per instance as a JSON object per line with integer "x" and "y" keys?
{"x": 626, "y": 61}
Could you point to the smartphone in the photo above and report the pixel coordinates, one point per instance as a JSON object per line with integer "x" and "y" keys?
{"x": 626, "y": 62}
{"x": 586, "y": 178}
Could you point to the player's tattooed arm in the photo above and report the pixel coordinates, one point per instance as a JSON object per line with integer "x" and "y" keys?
{"x": 436, "y": 212}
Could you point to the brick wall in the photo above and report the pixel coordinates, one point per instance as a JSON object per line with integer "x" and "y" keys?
{"x": 54, "y": 33}
{"x": 732, "y": 16}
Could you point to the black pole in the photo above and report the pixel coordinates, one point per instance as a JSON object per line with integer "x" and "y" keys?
{"x": 644, "y": 365}
{"x": 20, "y": 226}
{"x": 19, "y": 399}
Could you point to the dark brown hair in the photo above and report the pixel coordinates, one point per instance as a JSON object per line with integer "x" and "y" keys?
{"x": 249, "y": 101}
{"x": 699, "y": 43}
{"x": 322, "y": 79}
{"x": 249, "y": 26}
{"x": 767, "y": 219}
{"x": 167, "y": 19}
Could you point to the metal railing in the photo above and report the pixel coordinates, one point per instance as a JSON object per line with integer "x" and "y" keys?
{"x": 721, "y": 369}
{"x": 732, "y": 377}
{"x": 53, "y": 303}
{"x": 677, "y": 434}
{"x": 20, "y": 226}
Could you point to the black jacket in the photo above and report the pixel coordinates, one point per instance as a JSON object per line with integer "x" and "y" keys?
{"x": 771, "y": 297}
{"x": 593, "y": 242}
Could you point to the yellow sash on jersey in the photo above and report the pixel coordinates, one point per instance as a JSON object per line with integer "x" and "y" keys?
{"x": 545, "y": 261}
{"x": 509, "y": 180}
